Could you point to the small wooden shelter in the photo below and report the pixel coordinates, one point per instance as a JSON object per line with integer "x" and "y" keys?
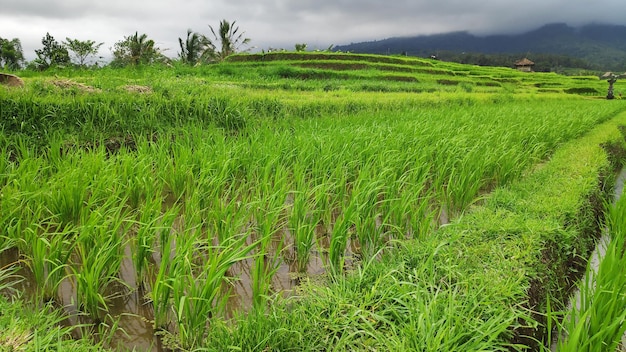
{"x": 524, "y": 65}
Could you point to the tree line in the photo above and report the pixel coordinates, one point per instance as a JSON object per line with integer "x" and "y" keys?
{"x": 134, "y": 49}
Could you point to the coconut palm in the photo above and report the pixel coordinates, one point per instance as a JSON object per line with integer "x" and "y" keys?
{"x": 141, "y": 48}
{"x": 194, "y": 48}
{"x": 136, "y": 49}
{"x": 229, "y": 38}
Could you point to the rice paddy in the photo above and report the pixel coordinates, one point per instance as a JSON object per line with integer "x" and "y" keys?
{"x": 161, "y": 216}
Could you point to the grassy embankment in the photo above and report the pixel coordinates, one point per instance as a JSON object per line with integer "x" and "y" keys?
{"x": 247, "y": 170}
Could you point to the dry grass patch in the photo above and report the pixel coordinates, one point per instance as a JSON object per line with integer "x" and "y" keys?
{"x": 69, "y": 84}
{"x": 137, "y": 89}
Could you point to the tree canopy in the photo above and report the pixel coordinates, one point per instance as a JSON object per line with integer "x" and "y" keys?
{"x": 82, "y": 50}
{"x": 195, "y": 48}
{"x": 228, "y": 39}
{"x": 11, "y": 54}
{"x": 52, "y": 54}
{"x": 135, "y": 50}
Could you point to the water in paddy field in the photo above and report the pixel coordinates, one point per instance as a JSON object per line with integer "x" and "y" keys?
{"x": 130, "y": 304}
{"x": 599, "y": 252}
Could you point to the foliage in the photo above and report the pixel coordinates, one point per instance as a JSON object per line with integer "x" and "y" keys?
{"x": 596, "y": 320}
{"x": 195, "y": 48}
{"x": 23, "y": 328}
{"x": 52, "y": 54}
{"x": 224, "y": 181}
{"x": 301, "y": 47}
{"x": 82, "y": 50}
{"x": 136, "y": 50}
{"x": 11, "y": 54}
{"x": 227, "y": 41}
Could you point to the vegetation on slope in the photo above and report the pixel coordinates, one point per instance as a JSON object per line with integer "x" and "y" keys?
{"x": 236, "y": 165}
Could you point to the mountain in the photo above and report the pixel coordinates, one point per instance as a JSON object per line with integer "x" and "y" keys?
{"x": 598, "y": 46}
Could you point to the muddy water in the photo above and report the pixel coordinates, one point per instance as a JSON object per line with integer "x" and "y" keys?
{"x": 130, "y": 304}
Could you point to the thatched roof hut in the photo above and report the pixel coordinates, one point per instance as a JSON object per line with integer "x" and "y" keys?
{"x": 524, "y": 65}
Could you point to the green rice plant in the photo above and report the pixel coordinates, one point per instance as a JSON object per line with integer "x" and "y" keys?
{"x": 99, "y": 250}
{"x": 268, "y": 214}
{"x": 5, "y": 165}
{"x": 25, "y": 327}
{"x": 368, "y": 194}
{"x": 323, "y": 204}
{"x": 60, "y": 245}
{"x": 142, "y": 243}
{"x": 197, "y": 288}
{"x": 12, "y": 233}
{"x": 36, "y": 259}
{"x": 67, "y": 200}
{"x": 161, "y": 292}
{"x": 302, "y": 222}
{"x": 48, "y": 260}
{"x": 224, "y": 212}
{"x": 408, "y": 206}
{"x": 465, "y": 180}
{"x": 136, "y": 176}
{"x": 597, "y": 320}
{"x": 339, "y": 239}
{"x": 8, "y": 274}
{"x": 169, "y": 222}
{"x": 179, "y": 176}
{"x": 226, "y": 114}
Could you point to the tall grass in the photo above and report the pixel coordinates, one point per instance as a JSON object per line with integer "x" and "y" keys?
{"x": 99, "y": 250}
{"x": 143, "y": 242}
{"x": 268, "y": 213}
{"x": 48, "y": 260}
{"x": 198, "y": 288}
{"x": 597, "y": 319}
{"x": 303, "y": 219}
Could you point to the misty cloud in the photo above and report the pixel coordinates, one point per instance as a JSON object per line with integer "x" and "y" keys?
{"x": 282, "y": 23}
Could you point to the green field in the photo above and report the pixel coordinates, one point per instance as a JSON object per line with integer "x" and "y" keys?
{"x": 300, "y": 201}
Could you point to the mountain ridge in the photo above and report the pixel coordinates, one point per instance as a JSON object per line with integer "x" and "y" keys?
{"x": 600, "y": 46}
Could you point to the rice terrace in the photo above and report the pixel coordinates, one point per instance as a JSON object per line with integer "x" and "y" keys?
{"x": 309, "y": 201}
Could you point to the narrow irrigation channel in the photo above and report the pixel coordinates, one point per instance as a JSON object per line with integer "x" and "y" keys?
{"x": 577, "y": 329}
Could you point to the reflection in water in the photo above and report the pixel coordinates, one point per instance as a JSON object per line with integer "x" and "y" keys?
{"x": 129, "y": 304}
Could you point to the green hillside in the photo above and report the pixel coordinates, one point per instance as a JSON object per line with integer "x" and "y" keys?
{"x": 300, "y": 202}
{"x": 598, "y": 47}
{"x": 396, "y": 73}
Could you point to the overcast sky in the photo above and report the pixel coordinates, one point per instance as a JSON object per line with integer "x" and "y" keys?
{"x": 282, "y": 23}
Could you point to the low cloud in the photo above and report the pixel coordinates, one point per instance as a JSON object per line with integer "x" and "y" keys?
{"x": 282, "y": 23}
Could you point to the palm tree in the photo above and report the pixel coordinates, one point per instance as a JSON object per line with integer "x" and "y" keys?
{"x": 141, "y": 48}
{"x": 194, "y": 48}
{"x": 134, "y": 50}
{"x": 229, "y": 38}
